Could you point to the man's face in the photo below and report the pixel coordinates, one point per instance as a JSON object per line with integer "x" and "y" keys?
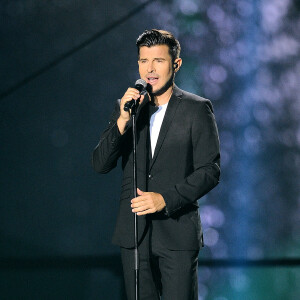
{"x": 155, "y": 67}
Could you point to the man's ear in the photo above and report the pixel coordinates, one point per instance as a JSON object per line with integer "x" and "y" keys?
{"x": 177, "y": 64}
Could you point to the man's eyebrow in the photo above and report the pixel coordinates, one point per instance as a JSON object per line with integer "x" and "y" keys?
{"x": 155, "y": 58}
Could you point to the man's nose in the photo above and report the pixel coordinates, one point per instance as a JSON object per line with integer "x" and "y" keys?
{"x": 150, "y": 67}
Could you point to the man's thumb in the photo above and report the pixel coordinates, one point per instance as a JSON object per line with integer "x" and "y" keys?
{"x": 139, "y": 192}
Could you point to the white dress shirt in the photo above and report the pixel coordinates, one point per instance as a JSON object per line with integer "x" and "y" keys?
{"x": 155, "y": 125}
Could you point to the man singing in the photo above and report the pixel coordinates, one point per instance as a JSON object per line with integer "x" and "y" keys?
{"x": 178, "y": 161}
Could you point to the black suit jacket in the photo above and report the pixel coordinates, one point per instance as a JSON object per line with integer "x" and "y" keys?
{"x": 185, "y": 166}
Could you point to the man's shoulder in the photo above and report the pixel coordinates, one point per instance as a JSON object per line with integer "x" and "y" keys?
{"x": 192, "y": 100}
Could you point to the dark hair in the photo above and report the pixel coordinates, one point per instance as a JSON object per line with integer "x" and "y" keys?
{"x": 155, "y": 37}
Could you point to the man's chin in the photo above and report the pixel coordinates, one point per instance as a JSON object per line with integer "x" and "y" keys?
{"x": 157, "y": 91}
{"x": 161, "y": 90}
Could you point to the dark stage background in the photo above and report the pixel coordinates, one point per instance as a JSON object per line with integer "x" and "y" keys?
{"x": 64, "y": 63}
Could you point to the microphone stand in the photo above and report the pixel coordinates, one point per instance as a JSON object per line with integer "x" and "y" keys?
{"x": 133, "y": 105}
{"x": 136, "y": 253}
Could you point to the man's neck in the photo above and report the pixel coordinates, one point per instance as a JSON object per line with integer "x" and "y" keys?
{"x": 164, "y": 98}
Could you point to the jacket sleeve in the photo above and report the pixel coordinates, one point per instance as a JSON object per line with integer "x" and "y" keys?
{"x": 106, "y": 154}
{"x": 206, "y": 162}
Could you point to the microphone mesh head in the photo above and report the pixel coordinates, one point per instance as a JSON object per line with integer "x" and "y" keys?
{"x": 141, "y": 82}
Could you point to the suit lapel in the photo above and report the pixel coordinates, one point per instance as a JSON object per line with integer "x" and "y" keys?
{"x": 142, "y": 117}
{"x": 170, "y": 113}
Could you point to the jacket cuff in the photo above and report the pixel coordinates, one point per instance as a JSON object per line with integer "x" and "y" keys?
{"x": 173, "y": 202}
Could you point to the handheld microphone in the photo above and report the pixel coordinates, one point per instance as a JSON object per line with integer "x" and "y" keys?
{"x": 140, "y": 85}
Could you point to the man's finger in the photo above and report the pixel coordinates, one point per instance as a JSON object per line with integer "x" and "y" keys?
{"x": 145, "y": 212}
{"x": 140, "y": 208}
{"x": 138, "y": 204}
{"x": 138, "y": 199}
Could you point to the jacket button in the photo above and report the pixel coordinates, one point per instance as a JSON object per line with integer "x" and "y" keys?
{"x": 150, "y": 176}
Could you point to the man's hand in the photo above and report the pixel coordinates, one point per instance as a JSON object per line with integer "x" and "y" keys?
{"x": 147, "y": 203}
{"x": 130, "y": 94}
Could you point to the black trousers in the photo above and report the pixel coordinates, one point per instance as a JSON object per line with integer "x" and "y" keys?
{"x": 163, "y": 274}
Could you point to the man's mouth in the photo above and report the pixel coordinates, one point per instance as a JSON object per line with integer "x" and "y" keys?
{"x": 152, "y": 79}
